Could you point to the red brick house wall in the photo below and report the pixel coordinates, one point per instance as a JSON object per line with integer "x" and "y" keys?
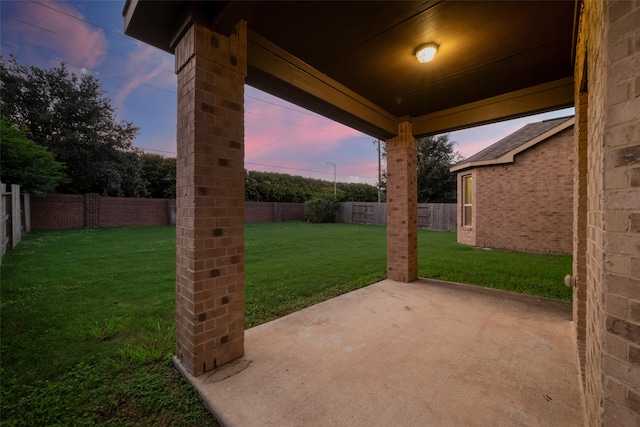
{"x": 526, "y": 205}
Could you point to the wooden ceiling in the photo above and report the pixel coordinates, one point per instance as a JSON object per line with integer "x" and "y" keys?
{"x": 496, "y": 59}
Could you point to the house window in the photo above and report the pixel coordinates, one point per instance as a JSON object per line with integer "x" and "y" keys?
{"x": 467, "y": 206}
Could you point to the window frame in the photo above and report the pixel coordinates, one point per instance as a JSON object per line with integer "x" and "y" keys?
{"x": 467, "y": 208}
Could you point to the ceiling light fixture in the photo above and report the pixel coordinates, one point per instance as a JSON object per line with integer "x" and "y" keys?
{"x": 426, "y": 52}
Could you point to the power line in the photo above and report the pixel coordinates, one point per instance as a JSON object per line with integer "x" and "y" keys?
{"x": 304, "y": 170}
{"x": 100, "y": 73}
{"x": 28, "y": 23}
{"x": 85, "y": 44}
{"x": 88, "y": 22}
{"x": 289, "y": 122}
{"x": 159, "y": 151}
{"x": 285, "y": 107}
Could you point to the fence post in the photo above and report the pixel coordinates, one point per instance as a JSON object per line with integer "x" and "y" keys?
{"x": 4, "y": 217}
{"x": 16, "y": 217}
{"x": 26, "y": 204}
{"x": 277, "y": 212}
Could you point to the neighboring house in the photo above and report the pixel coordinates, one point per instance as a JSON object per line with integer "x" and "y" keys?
{"x": 518, "y": 193}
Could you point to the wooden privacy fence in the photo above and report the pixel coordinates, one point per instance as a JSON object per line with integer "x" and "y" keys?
{"x": 431, "y": 216}
{"x": 15, "y": 218}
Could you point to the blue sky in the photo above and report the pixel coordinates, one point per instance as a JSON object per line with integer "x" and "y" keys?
{"x": 140, "y": 81}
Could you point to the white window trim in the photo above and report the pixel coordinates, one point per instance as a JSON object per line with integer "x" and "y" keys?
{"x": 465, "y": 223}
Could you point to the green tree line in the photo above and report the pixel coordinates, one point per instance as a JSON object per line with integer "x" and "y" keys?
{"x": 278, "y": 187}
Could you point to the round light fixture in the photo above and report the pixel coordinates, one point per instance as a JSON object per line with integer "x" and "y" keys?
{"x": 426, "y": 52}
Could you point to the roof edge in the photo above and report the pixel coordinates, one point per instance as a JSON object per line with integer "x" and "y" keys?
{"x": 509, "y": 156}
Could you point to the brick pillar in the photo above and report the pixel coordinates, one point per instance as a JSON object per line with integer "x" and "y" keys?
{"x": 211, "y": 71}
{"x": 402, "y": 205}
{"x": 92, "y": 210}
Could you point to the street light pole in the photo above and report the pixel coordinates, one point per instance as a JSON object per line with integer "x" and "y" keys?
{"x": 335, "y": 194}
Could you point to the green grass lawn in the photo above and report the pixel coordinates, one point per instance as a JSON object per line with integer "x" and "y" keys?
{"x": 87, "y": 315}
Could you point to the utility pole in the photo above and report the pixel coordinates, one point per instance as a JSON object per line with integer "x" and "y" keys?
{"x": 379, "y": 174}
{"x": 335, "y": 193}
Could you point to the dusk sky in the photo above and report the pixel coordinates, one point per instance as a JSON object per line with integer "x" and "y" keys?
{"x": 140, "y": 81}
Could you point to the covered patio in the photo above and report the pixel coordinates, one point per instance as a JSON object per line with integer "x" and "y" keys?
{"x": 425, "y": 353}
{"x": 358, "y": 63}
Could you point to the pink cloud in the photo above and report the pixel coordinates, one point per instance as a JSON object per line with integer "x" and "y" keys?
{"x": 298, "y": 142}
{"x": 271, "y": 130}
{"x": 141, "y": 73}
{"x": 74, "y": 40}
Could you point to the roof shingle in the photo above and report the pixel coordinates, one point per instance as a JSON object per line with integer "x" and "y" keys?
{"x": 514, "y": 140}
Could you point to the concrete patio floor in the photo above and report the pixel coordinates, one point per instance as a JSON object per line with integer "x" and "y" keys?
{"x": 426, "y": 353}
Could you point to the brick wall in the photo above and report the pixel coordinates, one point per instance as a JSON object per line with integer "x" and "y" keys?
{"x": 609, "y": 45}
{"x": 526, "y": 205}
{"x": 579, "y": 267}
{"x": 57, "y": 211}
{"x": 124, "y": 212}
{"x": 61, "y": 211}
{"x": 618, "y": 197}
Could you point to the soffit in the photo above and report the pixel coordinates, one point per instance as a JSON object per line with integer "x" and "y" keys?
{"x": 486, "y": 48}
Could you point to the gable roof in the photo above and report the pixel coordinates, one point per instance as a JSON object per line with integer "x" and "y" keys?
{"x": 504, "y": 150}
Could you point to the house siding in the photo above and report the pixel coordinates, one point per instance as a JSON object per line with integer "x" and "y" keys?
{"x": 525, "y": 205}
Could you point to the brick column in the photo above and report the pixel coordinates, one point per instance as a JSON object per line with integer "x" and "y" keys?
{"x": 92, "y": 210}
{"x": 211, "y": 71}
{"x": 402, "y": 205}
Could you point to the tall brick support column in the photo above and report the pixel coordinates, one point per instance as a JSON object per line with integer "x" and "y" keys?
{"x": 402, "y": 205}
{"x": 211, "y": 70}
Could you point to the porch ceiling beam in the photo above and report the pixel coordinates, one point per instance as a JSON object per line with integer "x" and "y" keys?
{"x": 276, "y": 71}
{"x": 545, "y": 97}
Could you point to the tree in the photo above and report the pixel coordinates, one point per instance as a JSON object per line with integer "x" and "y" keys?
{"x": 27, "y": 164}
{"x": 279, "y": 187}
{"x": 436, "y": 183}
{"x": 70, "y": 115}
{"x": 159, "y": 174}
{"x": 321, "y": 209}
{"x": 356, "y": 192}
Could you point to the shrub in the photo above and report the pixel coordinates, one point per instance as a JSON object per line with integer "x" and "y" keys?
{"x": 321, "y": 209}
